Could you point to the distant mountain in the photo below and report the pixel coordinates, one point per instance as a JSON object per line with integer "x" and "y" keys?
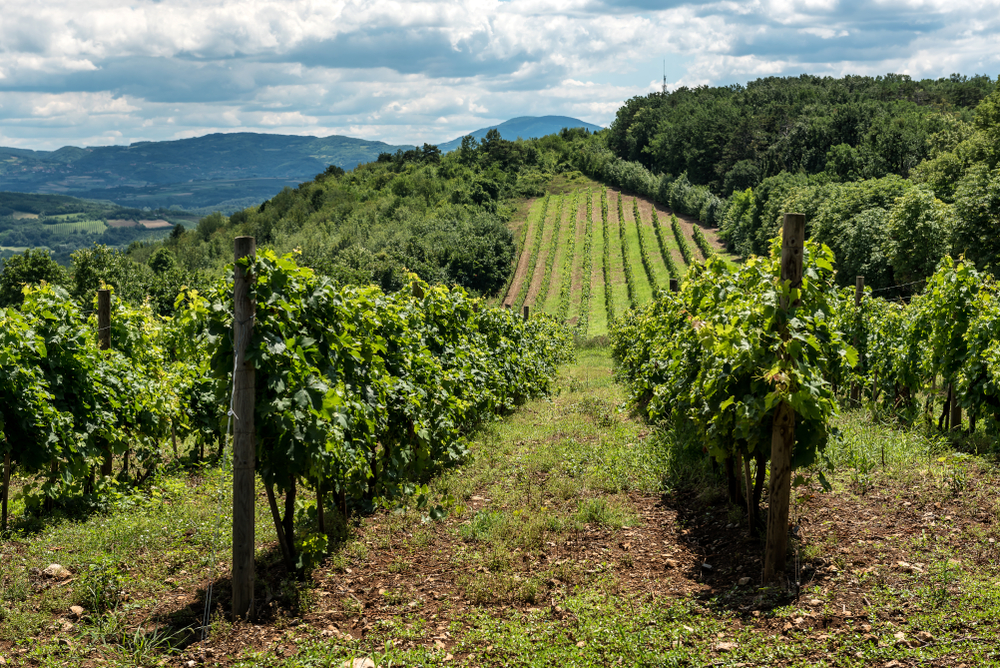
{"x": 217, "y": 171}
{"x": 525, "y": 127}
{"x": 225, "y": 172}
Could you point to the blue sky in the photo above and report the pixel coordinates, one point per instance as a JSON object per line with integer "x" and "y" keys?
{"x": 107, "y": 72}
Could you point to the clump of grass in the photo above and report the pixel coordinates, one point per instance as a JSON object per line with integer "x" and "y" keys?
{"x": 613, "y": 514}
{"x": 484, "y": 526}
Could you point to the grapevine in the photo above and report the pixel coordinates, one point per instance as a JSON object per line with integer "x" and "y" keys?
{"x": 668, "y": 258}
{"x": 609, "y": 299}
{"x": 533, "y": 258}
{"x": 643, "y": 254}
{"x": 583, "y": 322}
{"x": 626, "y": 265}
{"x": 682, "y": 243}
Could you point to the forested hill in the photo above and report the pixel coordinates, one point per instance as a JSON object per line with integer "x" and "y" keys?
{"x": 892, "y": 173}
{"x": 730, "y": 138}
{"x": 442, "y": 216}
{"x": 525, "y": 127}
{"x": 223, "y": 171}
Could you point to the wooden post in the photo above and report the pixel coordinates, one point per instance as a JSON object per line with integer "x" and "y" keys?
{"x": 783, "y": 430}
{"x": 859, "y": 291}
{"x": 956, "y": 411}
{"x": 244, "y": 436}
{"x": 674, "y": 285}
{"x": 525, "y": 311}
{"x": 104, "y": 343}
{"x": 6, "y": 488}
{"x": 104, "y": 319}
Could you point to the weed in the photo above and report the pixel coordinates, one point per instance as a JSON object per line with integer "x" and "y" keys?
{"x": 483, "y": 526}
{"x": 600, "y": 511}
{"x": 101, "y": 587}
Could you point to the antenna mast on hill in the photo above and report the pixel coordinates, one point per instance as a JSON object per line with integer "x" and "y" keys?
{"x": 664, "y": 77}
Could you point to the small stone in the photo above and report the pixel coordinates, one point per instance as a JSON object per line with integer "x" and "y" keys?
{"x": 903, "y": 566}
{"x": 77, "y": 611}
{"x": 670, "y": 563}
{"x": 725, "y": 646}
{"x": 924, "y": 637}
{"x": 581, "y": 644}
{"x": 893, "y": 664}
{"x": 814, "y": 602}
{"x": 707, "y": 567}
{"x": 744, "y": 581}
{"x": 190, "y": 664}
{"x": 358, "y": 663}
{"x": 57, "y": 571}
{"x": 448, "y": 657}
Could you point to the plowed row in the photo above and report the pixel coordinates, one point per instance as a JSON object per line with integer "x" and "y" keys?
{"x": 559, "y": 290}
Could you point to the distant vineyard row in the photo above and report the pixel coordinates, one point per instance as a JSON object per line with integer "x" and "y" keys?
{"x": 590, "y": 253}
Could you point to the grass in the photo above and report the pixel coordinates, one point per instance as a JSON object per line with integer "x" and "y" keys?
{"x": 576, "y": 537}
{"x": 598, "y": 318}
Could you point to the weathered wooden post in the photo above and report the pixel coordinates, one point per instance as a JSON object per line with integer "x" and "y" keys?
{"x": 6, "y": 491}
{"x": 104, "y": 343}
{"x": 526, "y": 312}
{"x": 955, "y": 422}
{"x": 675, "y": 286}
{"x": 244, "y": 435}
{"x": 783, "y": 430}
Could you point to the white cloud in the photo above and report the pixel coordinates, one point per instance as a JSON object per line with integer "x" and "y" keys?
{"x": 409, "y": 72}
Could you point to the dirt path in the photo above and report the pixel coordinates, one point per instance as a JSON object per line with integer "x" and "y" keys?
{"x": 538, "y": 275}
{"x": 525, "y": 257}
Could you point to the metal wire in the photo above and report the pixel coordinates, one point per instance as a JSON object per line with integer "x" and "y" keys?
{"x": 901, "y": 285}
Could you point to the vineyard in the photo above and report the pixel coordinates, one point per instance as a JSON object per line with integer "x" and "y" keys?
{"x": 439, "y": 481}
{"x": 589, "y": 253}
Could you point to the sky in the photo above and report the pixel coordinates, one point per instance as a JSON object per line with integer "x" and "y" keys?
{"x": 103, "y": 72}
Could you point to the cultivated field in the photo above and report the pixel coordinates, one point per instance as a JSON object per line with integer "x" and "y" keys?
{"x": 563, "y": 263}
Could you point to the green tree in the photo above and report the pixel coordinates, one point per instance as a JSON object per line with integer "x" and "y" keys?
{"x": 30, "y": 267}
{"x": 920, "y": 226}
{"x": 977, "y": 219}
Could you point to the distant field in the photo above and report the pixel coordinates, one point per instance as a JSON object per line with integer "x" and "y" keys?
{"x": 22, "y": 215}
{"x": 556, "y": 279}
{"x": 82, "y": 227}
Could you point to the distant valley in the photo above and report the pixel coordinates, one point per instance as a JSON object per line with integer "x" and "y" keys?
{"x": 225, "y": 172}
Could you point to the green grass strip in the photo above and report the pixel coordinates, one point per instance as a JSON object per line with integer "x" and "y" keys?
{"x": 626, "y": 265}
{"x": 682, "y": 243}
{"x": 566, "y": 284}
{"x": 583, "y": 322}
{"x": 550, "y": 258}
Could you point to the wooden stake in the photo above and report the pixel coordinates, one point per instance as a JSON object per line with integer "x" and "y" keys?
{"x": 6, "y": 487}
{"x": 244, "y": 436}
{"x": 859, "y": 291}
{"x": 783, "y": 430}
{"x": 956, "y": 411}
{"x": 525, "y": 311}
{"x": 674, "y": 285}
